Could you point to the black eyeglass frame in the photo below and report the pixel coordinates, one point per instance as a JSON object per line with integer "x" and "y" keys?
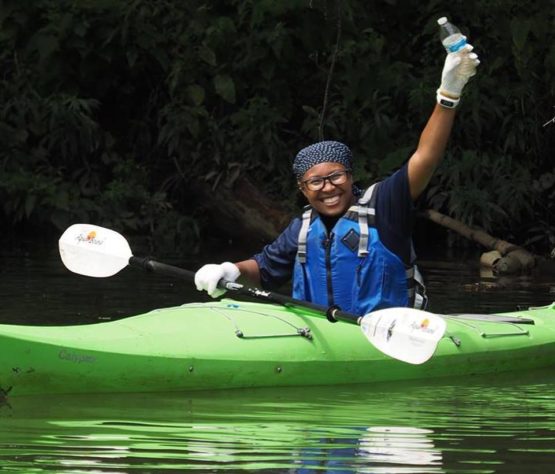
{"x": 329, "y": 178}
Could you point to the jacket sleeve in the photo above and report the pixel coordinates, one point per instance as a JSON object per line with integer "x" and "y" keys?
{"x": 395, "y": 214}
{"x": 276, "y": 260}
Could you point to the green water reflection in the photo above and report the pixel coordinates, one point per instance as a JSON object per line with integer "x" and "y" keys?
{"x": 473, "y": 426}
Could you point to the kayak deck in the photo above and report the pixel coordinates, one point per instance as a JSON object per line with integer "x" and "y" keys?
{"x": 230, "y": 344}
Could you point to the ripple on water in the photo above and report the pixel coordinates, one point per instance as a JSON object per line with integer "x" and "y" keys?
{"x": 399, "y": 428}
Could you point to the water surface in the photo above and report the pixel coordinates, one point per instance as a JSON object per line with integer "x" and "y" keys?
{"x": 478, "y": 426}
{"x": 473, "y": 425}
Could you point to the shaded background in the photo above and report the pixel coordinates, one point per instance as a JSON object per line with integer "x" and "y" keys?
{"x": 178, "y": 121}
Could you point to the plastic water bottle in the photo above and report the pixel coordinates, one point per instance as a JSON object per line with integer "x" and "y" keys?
{"x": 454, "y": 42}
{"x": 451, "y": 37}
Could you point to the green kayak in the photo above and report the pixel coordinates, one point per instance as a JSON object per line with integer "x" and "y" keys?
{"x": 229, "y": 344}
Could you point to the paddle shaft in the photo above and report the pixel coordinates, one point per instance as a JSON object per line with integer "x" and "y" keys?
{"x": 404, "y": 334}
{"x": 333, "y": 314}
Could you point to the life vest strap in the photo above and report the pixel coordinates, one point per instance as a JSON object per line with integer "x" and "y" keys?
{"x": 368, "y": 196}
{"x": 303, "y": 234}
{"x": 363, "y": 213}
{"x": 365, "y": 208}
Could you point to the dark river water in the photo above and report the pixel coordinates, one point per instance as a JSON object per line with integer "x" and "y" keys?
{"x": 499, "y": 424}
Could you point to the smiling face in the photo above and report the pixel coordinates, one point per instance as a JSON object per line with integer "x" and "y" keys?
{"x": 332, "y": 199}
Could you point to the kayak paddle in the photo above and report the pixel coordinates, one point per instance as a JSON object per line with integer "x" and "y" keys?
{"x": 406, "y": 334}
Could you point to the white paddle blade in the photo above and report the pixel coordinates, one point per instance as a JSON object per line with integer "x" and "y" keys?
{"x": 93, "y": 251}
{"x": 407, "y": 334}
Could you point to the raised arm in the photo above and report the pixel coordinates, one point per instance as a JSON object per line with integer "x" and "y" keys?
{"x": 457, "y": 70}
{"x": 430, "y": 150}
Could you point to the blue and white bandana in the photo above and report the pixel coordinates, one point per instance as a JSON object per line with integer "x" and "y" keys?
{"x": 321, "y": 152}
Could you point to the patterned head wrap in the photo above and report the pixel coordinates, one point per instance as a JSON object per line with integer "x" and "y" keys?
{"x": 321, "y": 152}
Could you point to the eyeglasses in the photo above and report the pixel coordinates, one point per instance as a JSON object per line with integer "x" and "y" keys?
{"x": 318, "y": 182}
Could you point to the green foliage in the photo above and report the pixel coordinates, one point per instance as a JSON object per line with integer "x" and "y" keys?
{"x": 110, "y": 110}
{"x": 480, "y": 190}
{"x": 544, "y": 229}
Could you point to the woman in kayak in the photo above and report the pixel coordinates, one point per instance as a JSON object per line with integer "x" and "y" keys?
{"x": 351, "y": 248}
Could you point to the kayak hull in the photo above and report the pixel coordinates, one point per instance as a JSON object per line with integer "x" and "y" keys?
{"x": 229, "y": 344}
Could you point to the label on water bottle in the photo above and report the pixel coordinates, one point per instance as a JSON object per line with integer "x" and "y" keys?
{"x": 452, "y": 45}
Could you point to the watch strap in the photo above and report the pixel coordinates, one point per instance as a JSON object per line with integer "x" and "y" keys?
{"x": 447, "y": 102}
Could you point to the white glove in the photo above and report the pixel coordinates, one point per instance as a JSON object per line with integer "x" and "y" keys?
{"x": 459, "y": 67}
{"x": 208, "y": 276}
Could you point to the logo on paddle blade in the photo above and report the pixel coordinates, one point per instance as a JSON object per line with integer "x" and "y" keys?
{"x": 423, "y": 326}
{"x": 89, "y": 238}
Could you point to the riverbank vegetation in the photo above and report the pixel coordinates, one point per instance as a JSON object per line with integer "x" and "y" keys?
{"x": 179, "y": 120}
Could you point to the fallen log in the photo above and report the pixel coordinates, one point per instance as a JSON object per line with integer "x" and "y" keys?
{"x": 510, "y": 259}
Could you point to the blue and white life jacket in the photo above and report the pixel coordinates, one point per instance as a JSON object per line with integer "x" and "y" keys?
{"x": 351, "y": 268}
